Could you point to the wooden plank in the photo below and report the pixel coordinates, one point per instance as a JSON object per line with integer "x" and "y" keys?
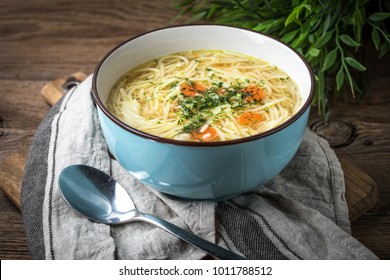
{"x": 372, "y": 231}
{"x": 361, "y": 192}
{"x": 54, "y": 90}
{"x": 13, "y": 242}
{"x": 11, "y": 175}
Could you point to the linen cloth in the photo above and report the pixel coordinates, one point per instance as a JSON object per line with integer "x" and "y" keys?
{"x": 300, "y": 214}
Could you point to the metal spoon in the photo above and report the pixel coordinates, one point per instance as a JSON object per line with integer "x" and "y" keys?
{"x": 100, "y": 198}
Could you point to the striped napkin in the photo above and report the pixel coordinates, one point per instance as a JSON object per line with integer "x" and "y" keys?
{"x": 300, "y": 214}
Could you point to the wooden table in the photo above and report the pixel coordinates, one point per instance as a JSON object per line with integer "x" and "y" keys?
{"x": 42, "y": 40}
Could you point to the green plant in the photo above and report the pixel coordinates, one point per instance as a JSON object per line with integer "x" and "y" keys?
{"x": 331, "y": 34}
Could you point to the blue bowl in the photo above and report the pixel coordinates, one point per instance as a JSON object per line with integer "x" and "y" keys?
{"x": 202, "y": 170}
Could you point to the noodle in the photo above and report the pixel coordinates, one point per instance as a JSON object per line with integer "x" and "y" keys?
{"x": 204, "y": 96}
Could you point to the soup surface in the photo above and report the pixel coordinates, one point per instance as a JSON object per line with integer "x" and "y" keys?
{"x": 204, "y": 96}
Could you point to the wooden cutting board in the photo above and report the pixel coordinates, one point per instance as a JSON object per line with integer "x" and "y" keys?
{"x": 361, "y": 191}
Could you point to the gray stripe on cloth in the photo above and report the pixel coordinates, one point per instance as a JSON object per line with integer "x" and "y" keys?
{"x": 237, "y": 222}
{"x": 56, "y": 123}
{"x": 34, "y": 180}
{"x": 74, "y": 139}
{"x": 308, "y": 233}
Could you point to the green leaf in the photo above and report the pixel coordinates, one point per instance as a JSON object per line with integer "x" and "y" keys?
{"x": 308, "y": 10}
{"x": 323, "y": 40}
{"x": 295, "y": 2}
{"x": 357, "y": 17}
{"x": 314, "y": 52}
{"x": 350, "y": 81}
{"x": 185, "y": 3}
{"x": 266, "y": 25}
{"x": 330, "y": 59}
{"x": 213, "y": 9}
{"x": 200, "y": 15}
{"x": 379, "y": 16}
{"x": 355, "y": 64}
{"x": 287, "y": 38}
{"x": 311, "y": 38}
{"x": 340, "y": 78}
{"x": 349, "y": 41}
{"x": 326, "y": 24}
{"x": 299, "y": 50}
{"x": 375, "y": 38}
{"x": 383, "y": 50}
{"x": 298, "y": 42}
{"x": 305, "y": 30}
{"x": 335, "y": 12}
{"x": 357, "y": 31}
{"x": 225, "y": 3}
{"x": 347, "y": 20}
{"x": 293, "y": 17}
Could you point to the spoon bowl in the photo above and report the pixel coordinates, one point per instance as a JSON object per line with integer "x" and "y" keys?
{"x": 97, "y": 196}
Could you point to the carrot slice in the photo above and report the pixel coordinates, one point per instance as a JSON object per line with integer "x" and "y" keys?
{"x": 220, "y": 91}
{"x": 199, "y": 87}
{"x": 208, "y": 134}
{"x": 249, "y": 118}
{"x": 255, "y": 93}
{"x": 191, "y": 89}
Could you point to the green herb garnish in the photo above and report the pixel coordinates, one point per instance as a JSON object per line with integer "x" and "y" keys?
{"x": 196, "y": 123}
{"x": 197, "y": 109}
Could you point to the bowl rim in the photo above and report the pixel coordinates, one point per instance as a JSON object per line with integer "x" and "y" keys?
{"x": 160, "y": 139}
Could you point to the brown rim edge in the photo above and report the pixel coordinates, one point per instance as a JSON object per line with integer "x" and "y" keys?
{"x": 140, "y": 133}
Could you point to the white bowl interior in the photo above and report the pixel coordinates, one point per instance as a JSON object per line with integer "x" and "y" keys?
{"x": 201, "y": 37}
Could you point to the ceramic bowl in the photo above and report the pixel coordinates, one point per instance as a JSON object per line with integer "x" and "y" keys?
{"x": 202, "y": 170}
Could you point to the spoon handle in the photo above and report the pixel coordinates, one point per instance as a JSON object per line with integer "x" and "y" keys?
{"x": 202, "y": 244}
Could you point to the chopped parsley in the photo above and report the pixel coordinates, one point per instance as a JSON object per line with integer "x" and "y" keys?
{"x": 196, "y": 110}
{"x": 173, "y": 84}
{"x": 196, "y": 123}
